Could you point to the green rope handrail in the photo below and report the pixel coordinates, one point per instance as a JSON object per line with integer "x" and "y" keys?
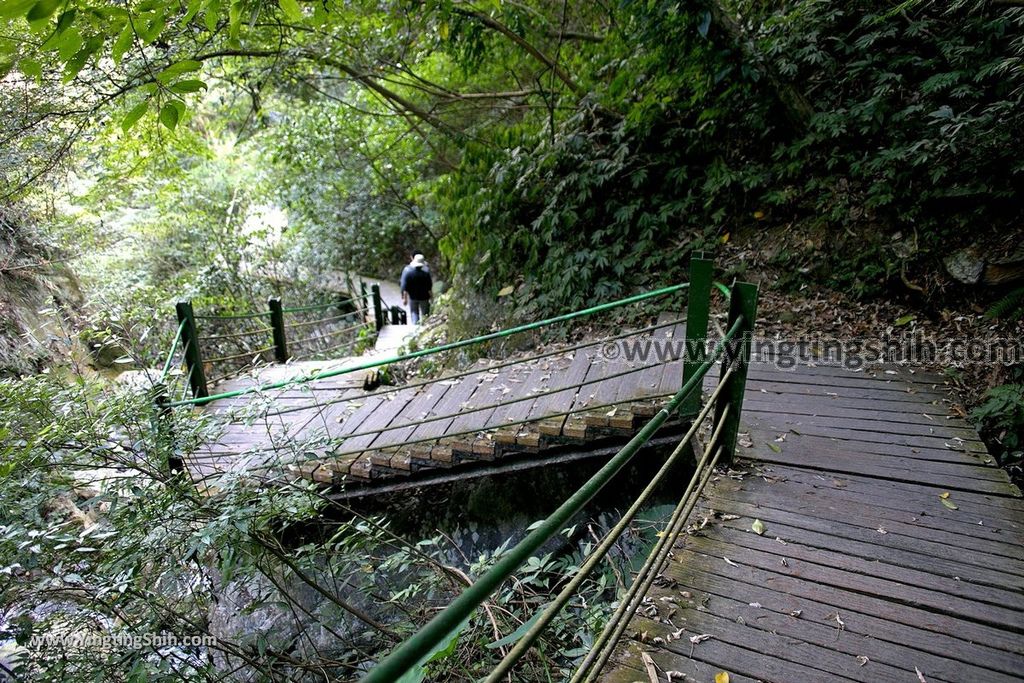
{"x": 437, "y": 349}
{"x": 317, "y": 307}
{"x": 458, "y": 375}
{"x": 174, "y": 347}
{"x": 547, "y": 613}
{"x": 409, "y": 653}
{"x": 477, "y": 409}
{"x": 236, "y": 316}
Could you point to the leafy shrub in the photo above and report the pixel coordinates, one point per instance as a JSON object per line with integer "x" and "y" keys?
{"x": 1001, "y": 417}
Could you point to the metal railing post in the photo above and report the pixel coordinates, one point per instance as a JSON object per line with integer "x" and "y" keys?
{"x": 364, "y": 299}
{"x": 698, "y": 308}
{"x": 378, "y": 314}
{"x": 277, "y": 325}
{"x": 161, "y": 426}
{"x": 743, "y": 303}
{"x": 193, "y": 357}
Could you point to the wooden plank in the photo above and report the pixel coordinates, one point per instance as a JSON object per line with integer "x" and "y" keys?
{"x": 561, "y": 401}
{"x": 775, "y": 386}
{"x": 823, "y": 442}
{"x": 839, "y": 461}
{"x": 798, "y": 406}
{"x": 841, "y": 577}
{"x": 938, "y": 525}
{"x": 908, "y": 496}
{"x": 378, "y": 414}
{"x": 877, "y": 422}
{"x": 626, "y": 666}
{"x": 426, "y": 398}
{"x": 757, "y": 657}
{"x": 966, "y": 466}
{"x": 869, "y": 437}
{"x": 801, "y": 404}
{"x": 672, "y": 378}
{"x": 881, "y": 640}
{"x": 492, "y": 389}
{"x": 451, "y": 403}
{"x": 538, "y": 380}
{"x": 822, "y": 659}
{"x": 852, "y": 548}
{"x": 693, "y": 560}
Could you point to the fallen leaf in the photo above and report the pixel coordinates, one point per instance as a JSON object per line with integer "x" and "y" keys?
{"x": 950, "y": 504}
{"x": 755, "y": 605}
{"x": 701, "y": 638}
{"x": 920, "y": 676}
{"x": 944, "y": 494}
{"x": 881, "y": 530}
{"x": 862, "y": 660}
{"x": 675, "y": 676}
{"x": 730, "y": 562}
{"x": 721, "y": 677}
{"x": 729, "y": 518}
{"x": 796, "y": 613}
{"x": 757, "y": 527}
{"x": 774, "y": 448}
{"x": 505, "y": 291}
{"x": 780, "y": 438}
{"x": 905, "y": 320}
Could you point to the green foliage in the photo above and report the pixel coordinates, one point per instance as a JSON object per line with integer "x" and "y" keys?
{"x": 1001, "y": 417}
{"x": 1010, "y": 307}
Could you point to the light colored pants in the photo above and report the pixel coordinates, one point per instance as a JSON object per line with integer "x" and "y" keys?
{"x": 418, "y": 309}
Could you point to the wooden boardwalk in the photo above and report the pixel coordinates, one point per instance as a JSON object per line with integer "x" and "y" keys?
{"x": 336, "y": 432}
{"x": 892, "y": 547}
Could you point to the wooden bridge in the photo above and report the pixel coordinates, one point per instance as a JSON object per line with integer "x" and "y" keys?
{"x": 860, "y": 532}
{"x": 863, "y": 533}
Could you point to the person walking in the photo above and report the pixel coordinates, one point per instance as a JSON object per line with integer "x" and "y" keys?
{"x": 417, "y": 287}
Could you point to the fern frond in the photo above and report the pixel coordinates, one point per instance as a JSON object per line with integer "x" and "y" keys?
{"x": 1010, "y": 307}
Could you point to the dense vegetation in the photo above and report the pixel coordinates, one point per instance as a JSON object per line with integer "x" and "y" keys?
{"x": 223, "y": 150}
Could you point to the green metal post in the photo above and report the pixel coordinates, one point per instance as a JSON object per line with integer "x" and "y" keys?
{"x": 277, "y": 323}
{"x": 378, "y": 314}
{"x": 698, "y": 309}
{"x": 743, "y": 303}
{"x": 193, "y": 357}
{"x": 161, "y": 424}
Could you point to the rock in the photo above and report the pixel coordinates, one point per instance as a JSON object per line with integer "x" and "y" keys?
{"x": 965, "y": 265}
{"x": 65, "y": 508}
{"x": 972, "y": 267}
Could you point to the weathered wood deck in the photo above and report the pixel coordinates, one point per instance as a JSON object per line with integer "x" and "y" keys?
{"x": 893, "y": 548}
{"x": 338, "y": 433}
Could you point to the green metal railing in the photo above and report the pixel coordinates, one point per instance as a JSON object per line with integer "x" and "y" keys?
{"x": 726, "y": 400}
{"x": 724, "y": 407}
{"x": 237, "y": 349}
{"x": 200, "y": 400}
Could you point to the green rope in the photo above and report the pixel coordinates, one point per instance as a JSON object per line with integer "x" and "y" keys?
{"x": 409, "y": 653}
{"x": 238, "y": 316}
{"x": 479, "y": 409}
{"x": 316, "y": 307}
{"x": 437, "y": 349}
{"x": 601, "y": 650}
{"x": 174, "y": 347}
{"x": 460, "y": 375}
{"x": 554, "y": 607}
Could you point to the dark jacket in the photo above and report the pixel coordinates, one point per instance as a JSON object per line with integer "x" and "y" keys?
{"x": 416, "y": 281}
